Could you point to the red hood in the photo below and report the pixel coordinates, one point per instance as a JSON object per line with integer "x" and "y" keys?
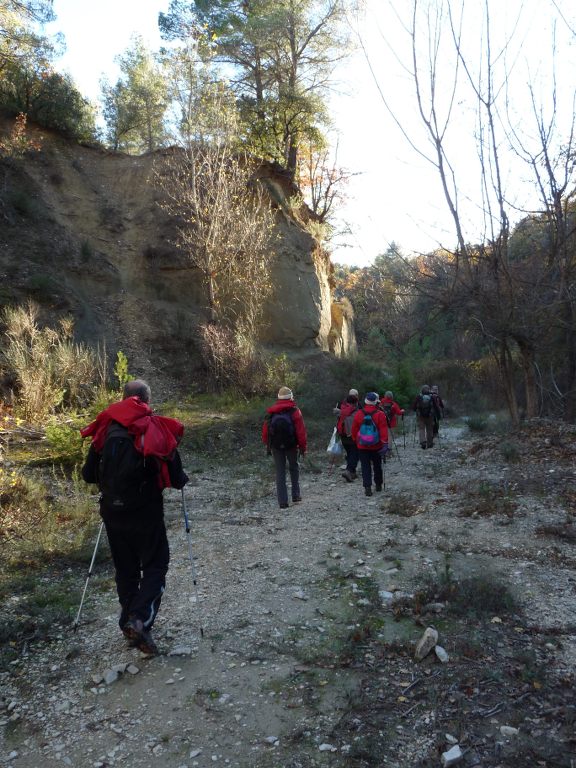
{"x": 153, "y": 435}
{"x": 281, "y": 405}
{"x": 387, "y": 400}
{"x": 369, "y": 408}
{"x": 346, "y": 409}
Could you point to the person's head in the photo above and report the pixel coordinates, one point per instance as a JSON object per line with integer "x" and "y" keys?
{"x": 137, "y": 388}
{"x": 389, "y": 395}
{"x": 434, "y": 389}
{"x": 285, "y": 393}
{"x": 425, "y": 389}
{"x": 353, "y": 393}
{"x": 372, "y": 398}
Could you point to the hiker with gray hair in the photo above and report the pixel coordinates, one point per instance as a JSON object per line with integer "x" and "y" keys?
{"x": 284, "y": 434}
{"x": 132, "y": 458}
{"x": 391, "y": 409}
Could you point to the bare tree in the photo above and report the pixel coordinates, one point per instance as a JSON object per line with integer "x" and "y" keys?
{"x": 225, "y": 227}
{"x": 506, "y": 294}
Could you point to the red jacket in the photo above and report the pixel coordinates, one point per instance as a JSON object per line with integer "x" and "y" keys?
{"x": 153, "y": 435}
{"x": 396, "y": 410}
{"x": 346, "y": 409}
{"x": 379, "y": 419}
{"x": 299, "y": 428}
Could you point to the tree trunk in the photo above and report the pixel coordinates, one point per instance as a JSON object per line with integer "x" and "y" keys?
{"x": 528, "y": 355}
{"x": 570, "y": 344}
{"x": 507, "y": 372}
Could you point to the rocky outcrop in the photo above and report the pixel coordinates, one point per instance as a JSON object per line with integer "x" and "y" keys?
{"x": 342, "y": 338}
{"x": 96, "y": 242}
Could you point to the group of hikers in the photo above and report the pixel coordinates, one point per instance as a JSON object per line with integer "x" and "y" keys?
{"x": 133, "y": 456}
{"x": 362, "y": 429}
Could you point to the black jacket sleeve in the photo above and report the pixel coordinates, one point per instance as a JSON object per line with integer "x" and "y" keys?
{"x": 178, "y": 478}
{"x": 90, "y": 468}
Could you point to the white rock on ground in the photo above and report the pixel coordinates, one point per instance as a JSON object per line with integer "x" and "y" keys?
{"x": 426, "y": 643}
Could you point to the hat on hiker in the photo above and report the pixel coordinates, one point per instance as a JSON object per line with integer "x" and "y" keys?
{"x": 285, "y": 393}
{"x": 389, "y": 394}
{"x": 353, "y": 393}
{"x": 371, "y": 398}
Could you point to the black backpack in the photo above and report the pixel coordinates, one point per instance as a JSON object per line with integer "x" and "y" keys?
{"x": 127, "y": 480}
{"x": 387, "y": 408}
{"x": 425, "y": 405}
{"x": 281, "y": 432}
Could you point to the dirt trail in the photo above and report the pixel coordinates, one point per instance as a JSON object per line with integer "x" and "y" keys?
{"x": 276, "y": 587}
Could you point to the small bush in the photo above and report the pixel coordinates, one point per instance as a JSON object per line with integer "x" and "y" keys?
{"x": 51, "y": 371}
{"x": 23, "y": 203}
{"x": 510, "y": 452}
{"x": 477, "y": 424}
{"x": 235, "y": 364}
{"x": 65, "y": 439}
{"x": 86, "y": 249}
{"x": 42, "y": 286}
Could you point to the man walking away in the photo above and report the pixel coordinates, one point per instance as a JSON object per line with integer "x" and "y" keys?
{"x": 370, "y": 433}
{"x": 132, "y": 458}
{"x": 347, "y": 410}
{"x": 425, "y": 409}
{"x": 439, "y": 408}
{"x": 284, "y": 433}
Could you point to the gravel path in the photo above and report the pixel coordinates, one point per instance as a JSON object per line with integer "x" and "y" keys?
{"x": 269, "y": 591}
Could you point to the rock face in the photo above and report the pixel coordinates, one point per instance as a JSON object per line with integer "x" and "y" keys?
{"x": 91, "y": 239}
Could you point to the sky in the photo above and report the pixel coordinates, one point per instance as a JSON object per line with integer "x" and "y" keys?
{"x": 395, "y": 194}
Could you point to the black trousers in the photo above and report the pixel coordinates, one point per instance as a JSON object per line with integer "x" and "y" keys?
{"x": 369, "y": 459}
{"x": 140, "y": 553}
{"x": 280, "y": 457}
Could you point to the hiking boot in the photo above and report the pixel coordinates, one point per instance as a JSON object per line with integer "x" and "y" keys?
{"x": 147, "y": 645}
{"x": 129, "y": 636}
{"x": 353, "y": 475}
{"x": 347, "y": 476}
{"x": 132, "y": 630}
{"x": 283, "y": 506}
{"x": 368, "y": 491}
{"x": 423, "y": 445}
{"x": 378, "y": 488}
{"x": 296, "y": 499}
{"x": 140, "y": 638}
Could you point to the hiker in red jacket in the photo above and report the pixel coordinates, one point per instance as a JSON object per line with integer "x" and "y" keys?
{"x": 346, "y": 412}
{"x": 370, "y": 432}
{"x": 132, "y": 458}
{"x": 391, "y": 409}
{"x": 284, "y": 434}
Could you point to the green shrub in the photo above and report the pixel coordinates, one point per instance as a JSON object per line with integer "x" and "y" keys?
{"x": 280, "y": 372}
{"x": 477, "y": 423}
{"x": 510, "y": 452}
{"x": 121, "y": 368}
{"x": 86, "y": 249}
{"x": 23, "y": 203}
{"x": 65, "y": 439}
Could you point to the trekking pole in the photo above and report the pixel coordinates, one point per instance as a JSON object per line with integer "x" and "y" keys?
{"x": 76, "y": 621}
{"x": 404, "y": 431}
{"x": 190, "y": 555}
{"x": 415, "y": 424}
{"x": 395, "y": 446}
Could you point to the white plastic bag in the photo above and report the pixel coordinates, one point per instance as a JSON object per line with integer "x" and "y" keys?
{"x": 335, "y": 445}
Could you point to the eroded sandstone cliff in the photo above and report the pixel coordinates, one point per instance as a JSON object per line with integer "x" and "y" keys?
{"x": 86, "y": 234}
